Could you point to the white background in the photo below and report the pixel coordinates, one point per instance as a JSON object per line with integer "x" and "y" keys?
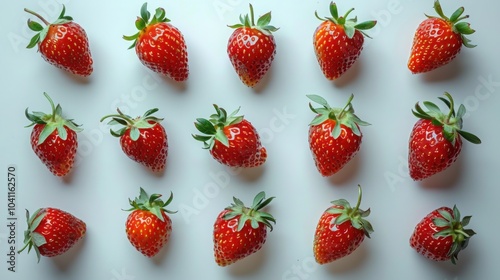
{"x": 385, "y": 92}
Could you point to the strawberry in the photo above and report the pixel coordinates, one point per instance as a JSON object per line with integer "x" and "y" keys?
{"x": 240, "y": 231}
{"x": 334, "y": 135}
{"x": 148, "y": 227}
{"x": 54, "y": 139}
{"x": 438, "y": 40}
{"x": 52, "y": 232}
{"x": 232, "y": 140}
{"x": 435, "y": 140}
{"x": 159, "y": 45}
{"x": 441, "y": 235}
{"x": 143, "y": 139}
{"x": 63, "y": 43}
{"x": 251, "y": 48}
{"x": 338, "y": 42}
{"x": 340, "y": 230}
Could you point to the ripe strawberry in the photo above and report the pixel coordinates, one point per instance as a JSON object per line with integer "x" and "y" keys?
{"x": 338, "y": 42}
{"x": 54, "y": 139}
{"x": 441, "y": 235}
{"x": 438, "y": 40}
{"x": 142, "y": 139}
{"x": 435, "y": 141}
{"x": 63, "y": 43}
{"x": 159, "y": 45}
{"x": 148, "y": 227}
{"x": 52, "y": 232}
{"x": 340, "y": 230}
{"x": 334, "y": 135}
{"x": 232, "y": 140}
{"x": 251, "y": 48}
{"x": 240, "y": 231}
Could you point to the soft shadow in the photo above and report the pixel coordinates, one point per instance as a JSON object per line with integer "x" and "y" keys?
{"x": 178, "y": 87}
{"x": 348, "y": 172}
{"x": 447, "y": 72}
{"x": 445, "y": 179}
{"x": 349, "y": 263}
{"x": 159, "y": 174}
{"x": 68, "y": 178}
{"x": 249, "y": 265}
{"x": 350, "y": 76}
{"x": 77, "y": 79}
{"x": 251, "y": 174}
{"x": 159, "y": 259}
{"x": 65, "y": 261}
{"x": 264, "y": 82}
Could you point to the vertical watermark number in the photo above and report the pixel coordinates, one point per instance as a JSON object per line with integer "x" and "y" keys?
{"x": 11, "y": 221}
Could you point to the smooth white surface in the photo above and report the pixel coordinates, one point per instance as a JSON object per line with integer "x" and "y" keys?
{"x": 385, "y": 92}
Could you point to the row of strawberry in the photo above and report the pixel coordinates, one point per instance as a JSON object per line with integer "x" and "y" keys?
{"x": 338, "y": 42}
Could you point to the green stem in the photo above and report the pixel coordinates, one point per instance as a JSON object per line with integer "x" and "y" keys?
{"x": 53, "y": 117}
{"x": 252, "y": 15}
{"x": 119, "y": 115}
{"x": 347, "y": 105}
{"x": 37, "y": 15}
{"x": 360, "y": 196}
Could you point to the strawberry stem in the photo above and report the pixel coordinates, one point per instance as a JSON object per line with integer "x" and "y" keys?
{"x": 252, "y": 15}
{"x": 360, "y": 196}
{"x": 53, "y": 116}
{"x": 346, "y": 106}
{"x": 37, "y": 15}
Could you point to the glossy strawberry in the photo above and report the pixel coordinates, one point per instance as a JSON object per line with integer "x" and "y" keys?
{"x": 63, "y": 43}
{"x": 340, "y": 230}
{"x": 54, "y": 139}
{"x": 438, "y": 40}
{"x": 231, "y": 139}
{"x": 52, "y": 232}
{"x": 436, "y": 139}
{"x": 440, "y": 236}
{"x": 251, "y": 47}
{"x": 334, "y": 135}
{"x": 338, "y": 42}
{"x": 143, "y": 139}
{"x": 240, "y": 231}
{"x": 148, "y": 226}
{"x": 159, "y": 45}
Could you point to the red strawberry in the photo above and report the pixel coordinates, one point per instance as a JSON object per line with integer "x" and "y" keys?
{"x": 338, "y": 42}
{"x": 240, "y": 231}
{"x": 232, "y": 140}
{"x": 52, "y": 232}
{"x": 340, "y": 230}
{"x": 63, "y": 43}
{"x": 435, "y": 140}
{"x": 159, "y": 45}
{"x": 438, "y": 40}
{"x": 334, "y": 135}
{"x": 251, "y": 48}
{"x": 54, "y": 139}
{"x": 148, "y": 226}
{"x": 441, "y": 235}
{"x": 143, "y": 139}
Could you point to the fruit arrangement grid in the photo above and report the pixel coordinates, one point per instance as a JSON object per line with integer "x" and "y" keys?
{"x": 146, "y": 173}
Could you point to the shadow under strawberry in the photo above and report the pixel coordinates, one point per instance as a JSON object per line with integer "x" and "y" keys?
{"x": 454, "y": 70}
{"x": 66, "y": 261}
{"x": 349, "y": 172}
{"x": 264, "y": 83}
{"x": 447, "y": 179}
{"x": 250, "y": 265}
{"x": 351, "y": 76}
{"x": 350, "y": 263}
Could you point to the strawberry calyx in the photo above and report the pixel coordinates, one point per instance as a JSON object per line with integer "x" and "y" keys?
{"x": 53, "y": 121}
{"x": 213, "y": 129}
{"x": 450, "y": 122}
{"x": 41, "y": 30}
{"x": 33, "y": 239}
{"x": 144, "y": 21}
{"x": 134, "y": 124}
{"x": 151, "y": 203}
{"x": 263, "y": 22}
{"x": 462, "y": 28}
{"x": 252, "y": 214}
{"x": 350, "y": 25}
{"x": 355, "y": 216}
{"x": 341, "y": 116}
{"x": 451, "y": 225}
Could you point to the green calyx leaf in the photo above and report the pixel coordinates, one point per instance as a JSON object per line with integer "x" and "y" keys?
{"x": 151, "y": 203}
{"x": 252, "y": 214}
{"x": 144, "y": 21}
{"x": 146, "y": 121}
{"x": 41, "y": 31}
{"x": 213, "y": 128}
{"x": 342, "y": 116}
{"x": 263, "y": 22}
{"x": 33, "y": 239}
{"x": 449, "y": 224}
{"x": 350, "y": 25}
{"x": 356, "y": 216}
{"x": 51, "y": 122}
{"x": 462, "y": 28}
{"x": 451, "y": 122}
